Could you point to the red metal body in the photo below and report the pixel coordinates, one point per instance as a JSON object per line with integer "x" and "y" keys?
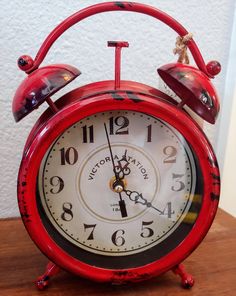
{"x": 192, "y": 85}
{"x": 39, "y": 86}
{"x": 194, "y": 89}
{"x": 51, "y": 270}
{"x": 118, "y": 46}
{"x": 97, "y": 88}
{"x": 24, "y": 102}
{"x": 115, "y": 6}
{"x": 50, "y": 129}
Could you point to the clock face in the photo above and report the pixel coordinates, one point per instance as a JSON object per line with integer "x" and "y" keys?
{"x": 119, "y": 184}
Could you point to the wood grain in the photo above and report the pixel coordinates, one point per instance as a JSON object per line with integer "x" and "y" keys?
{"x": 213, "y": 265}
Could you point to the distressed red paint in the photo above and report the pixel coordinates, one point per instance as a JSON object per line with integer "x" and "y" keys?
{"x": 109, "y": 96}
{"x": 50, "y": 129}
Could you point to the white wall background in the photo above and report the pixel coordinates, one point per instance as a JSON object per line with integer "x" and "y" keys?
{"x": 226, "y": 140}
{"x": 24, "y": 24}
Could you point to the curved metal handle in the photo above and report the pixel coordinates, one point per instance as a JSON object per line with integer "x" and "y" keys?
{"x": 116, "y": 6}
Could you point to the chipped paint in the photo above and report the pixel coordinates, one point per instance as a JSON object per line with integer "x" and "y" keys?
{"x": 215, "y": 196}
{"x": 120, "y": 4}
{"x": 132, "y": 96}
{"x": 125, "y": 277}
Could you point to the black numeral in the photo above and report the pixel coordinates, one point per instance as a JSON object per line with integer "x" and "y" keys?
{"x": 88, "y": 134}
{"x": 149, "y": 135}
{"x": 178, "y": 184}
{"x": 117, "y": 238}
{"x": 67, "y": 214}
{"x": 57, "y": 183}
{"x": 170, "y": 152}
{"x": 168, "y": 210}
{"x": 69, "y": 156}
{"x": 88, "y": 226}
{"x": 121, "y": 122}
{"x": 147, "y": 231}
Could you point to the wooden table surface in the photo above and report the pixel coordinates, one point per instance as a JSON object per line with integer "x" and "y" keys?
{"x": 213, "y": 265}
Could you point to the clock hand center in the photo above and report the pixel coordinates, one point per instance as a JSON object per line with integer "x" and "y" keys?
{"x": 118, "y": 186}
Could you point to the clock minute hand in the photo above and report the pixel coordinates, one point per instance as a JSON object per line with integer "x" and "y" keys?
{"x": 112, "y": 158}
{"x": 138, "y": 198}
{"x": 122, "y": 204}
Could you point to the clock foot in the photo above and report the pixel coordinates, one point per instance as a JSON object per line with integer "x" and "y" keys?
{"x": 187, "y": 280}
{"x": 43, "y": 281}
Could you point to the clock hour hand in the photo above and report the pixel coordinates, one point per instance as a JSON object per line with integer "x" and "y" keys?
{"x": 122, "y": 204}
{"x": 138, "y": 198}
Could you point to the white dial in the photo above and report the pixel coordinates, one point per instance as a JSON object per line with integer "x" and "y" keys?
{"x": 118, "y": 183}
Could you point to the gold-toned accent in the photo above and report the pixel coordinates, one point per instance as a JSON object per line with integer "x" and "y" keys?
{"x": 197, "y": 198}
{"x": 190, "y": 218}
{"x": 118, "y": 188}
{"x": 113, "y": 180}
{"x": 66, "y": 77}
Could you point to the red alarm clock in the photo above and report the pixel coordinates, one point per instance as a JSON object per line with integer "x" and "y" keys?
{"x": 118, "y": 183}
